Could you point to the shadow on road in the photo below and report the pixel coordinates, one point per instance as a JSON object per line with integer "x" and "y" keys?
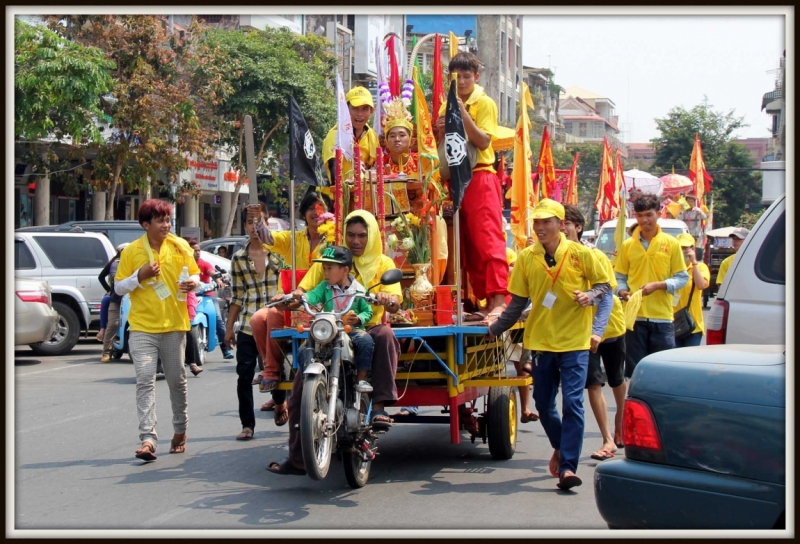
{"x": 26, "y": 362}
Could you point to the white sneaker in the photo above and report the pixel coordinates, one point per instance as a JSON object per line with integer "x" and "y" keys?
{"x": 363, "y": 387}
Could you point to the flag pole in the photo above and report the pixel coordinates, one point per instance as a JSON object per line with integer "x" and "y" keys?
{"x": 291, "y": 203}
{"x": 457, "y": 236}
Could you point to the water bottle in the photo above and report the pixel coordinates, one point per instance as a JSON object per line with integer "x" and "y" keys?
{"x": 182, "y": 278}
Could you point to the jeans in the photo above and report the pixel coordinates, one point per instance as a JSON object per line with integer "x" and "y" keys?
{"x": 104, "y": 311}
{"x": 246, "y": 354}
{"x": 363, "y": 346}
{"x": 112, "y": 327}
{"x": 694, "y": 339}
{"x": 569, "y": 368}
{"x": 646, "y": 337}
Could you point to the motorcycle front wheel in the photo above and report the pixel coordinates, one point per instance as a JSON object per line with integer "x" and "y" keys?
{"x": 356, "y": 470}
{"x": 317, "y": 446}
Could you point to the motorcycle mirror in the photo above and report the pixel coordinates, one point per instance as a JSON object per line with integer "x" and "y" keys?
{"x": 390, "y": 277}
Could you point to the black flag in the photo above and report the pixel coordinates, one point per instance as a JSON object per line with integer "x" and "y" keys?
{"x": 304, "y": 163}
{"x": 456, "y": 147}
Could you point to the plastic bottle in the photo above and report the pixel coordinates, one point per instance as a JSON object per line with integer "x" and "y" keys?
{"x": 182, "y": 278}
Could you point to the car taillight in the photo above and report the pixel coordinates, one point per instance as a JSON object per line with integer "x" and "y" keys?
{"x": 34, "y": 296}
{"x": 639, "y": 427}
{"x": 717, "y": 323}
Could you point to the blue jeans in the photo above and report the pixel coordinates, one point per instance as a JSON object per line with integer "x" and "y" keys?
{"x": 363, "y": 346}
{"x": 692, "y": 340}
{"x": 646, "y": 337}
{"x": 104, "y": 311}
{"x": 568, "y": 368}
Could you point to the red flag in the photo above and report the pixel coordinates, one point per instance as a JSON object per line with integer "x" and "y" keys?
{"x": 438, "y": 82}
{"x": 546, "y": 167}
{"x": 394, "y": 76}
{"x": 572, "y": 188}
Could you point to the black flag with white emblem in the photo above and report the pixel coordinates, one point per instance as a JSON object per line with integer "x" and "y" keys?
{"x": 304, "y": 163}
{"x": 456, "y": 148}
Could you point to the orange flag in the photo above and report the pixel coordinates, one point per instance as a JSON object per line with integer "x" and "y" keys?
{"x": 606, "y": 197}
{"x": 521, "y": 202}
{"x": 426, "y": 144}
{"x": 572, "y": 188}
{"x": 546, "y": 168}
{"x": 697, "y": 171}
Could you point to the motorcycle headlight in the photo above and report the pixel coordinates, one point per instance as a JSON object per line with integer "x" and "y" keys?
{"x": 323, "y": 330}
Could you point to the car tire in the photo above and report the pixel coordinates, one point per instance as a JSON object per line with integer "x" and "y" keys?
{"x": 68, "y": 330}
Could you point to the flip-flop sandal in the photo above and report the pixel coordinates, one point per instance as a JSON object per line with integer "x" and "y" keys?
{"x": 268, "y": 406}
{"x": 602, "y": 455}
{"x": 618, "y": 441}
{"x": 246, "y": 434}
{"x": 285, "y": 467}
{"x": 524, "y": 418}
{"x": 569, "y": 482}
{"x": 281, "y": 416}
{"x": 267, "y": 386}
{"x": 178, "y": 447}
{"x": 384, "y": 423}
{"x": 404, "y": 413}
{"x": 147, "y": 452}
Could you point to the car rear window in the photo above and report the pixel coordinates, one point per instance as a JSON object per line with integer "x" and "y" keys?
{"x": 73, "y": 252}
{"x": 118, "y": 237}
{"x": 771, "y": 258}
{"x": 23, "y": 259}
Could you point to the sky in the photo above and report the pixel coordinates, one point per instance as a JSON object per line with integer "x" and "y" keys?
{"x": 649, "y": 64}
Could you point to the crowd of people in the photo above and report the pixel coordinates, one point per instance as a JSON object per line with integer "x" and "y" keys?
{"x": 569, "y": 295}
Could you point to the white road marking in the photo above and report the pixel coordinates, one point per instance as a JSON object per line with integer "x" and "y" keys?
{"x": 20, "y": 375}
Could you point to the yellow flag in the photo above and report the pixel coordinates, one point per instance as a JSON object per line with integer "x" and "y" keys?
{"x": 453, "y": 45}
{"x": 521, "y": 188}
{"x": 426, "y": 143}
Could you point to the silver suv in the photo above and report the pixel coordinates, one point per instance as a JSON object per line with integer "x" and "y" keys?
{"x": 70, "y": 263}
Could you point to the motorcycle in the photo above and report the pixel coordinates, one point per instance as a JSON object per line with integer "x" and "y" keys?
{"x": 334, "y": 409}
{"x": 204, "y": 324}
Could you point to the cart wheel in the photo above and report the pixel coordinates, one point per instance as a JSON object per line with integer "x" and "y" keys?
{"x": 502, "y": 422}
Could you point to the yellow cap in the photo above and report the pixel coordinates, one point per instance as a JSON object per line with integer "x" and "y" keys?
{"x": 685, "y": 239}
{"x": 548, "y": 208}
{"x": 359, "y": 96}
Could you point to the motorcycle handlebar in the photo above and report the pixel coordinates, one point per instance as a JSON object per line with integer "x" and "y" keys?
{"x": 290, "y": 298}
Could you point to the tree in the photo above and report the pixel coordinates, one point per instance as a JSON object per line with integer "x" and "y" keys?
{"x": 161, "y": 112}
{"x": 271, "y": 65}
{"x": 735, "y": 184}
{"x": 57, "y": 88}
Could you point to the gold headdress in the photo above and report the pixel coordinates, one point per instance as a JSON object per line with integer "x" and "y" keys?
{"x": 397, "y": 115}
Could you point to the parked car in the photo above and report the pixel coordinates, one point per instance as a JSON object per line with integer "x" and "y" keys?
{"x": 70, "y": 263}
{"x": 118, "y": 232}
{"x": 605, "y": 235}
{"x": 751, "y": 303}
{"x": 705, "y": 445}
{"x": 34, "y": 317}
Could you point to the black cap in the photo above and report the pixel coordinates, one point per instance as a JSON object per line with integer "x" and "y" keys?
{"x": 337, "y": 255}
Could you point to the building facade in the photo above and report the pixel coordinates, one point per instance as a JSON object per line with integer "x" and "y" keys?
{"x": 590, "y": 117}
{"x": 774, "y": 164}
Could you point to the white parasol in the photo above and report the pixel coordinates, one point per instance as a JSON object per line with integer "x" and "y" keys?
{"x": 643, "y": 181}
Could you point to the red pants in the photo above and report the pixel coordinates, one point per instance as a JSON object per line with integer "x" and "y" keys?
{"x": 484, "y": 247}
{"x": 262, "y": 323}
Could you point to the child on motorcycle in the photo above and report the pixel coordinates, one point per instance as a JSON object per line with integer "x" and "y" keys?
{"x": 335, "y": 293}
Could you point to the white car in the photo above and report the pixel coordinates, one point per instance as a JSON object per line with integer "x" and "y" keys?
{"x": 605, "y": 236}
{"x": 751, "y": 302}
{"x": 34, "y": 317}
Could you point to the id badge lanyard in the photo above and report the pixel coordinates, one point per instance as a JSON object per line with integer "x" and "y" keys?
{"x": 550, "y": 296}
{"x": 161, "y": 289}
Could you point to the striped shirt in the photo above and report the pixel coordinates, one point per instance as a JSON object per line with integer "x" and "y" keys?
{"x": 248, "y": 291}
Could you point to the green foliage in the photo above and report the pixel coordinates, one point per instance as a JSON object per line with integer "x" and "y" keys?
{"x": 57, "y": 86}
{"x": 731, "y": 189}
{"x": 749, "y": 220}
{"x": 270, "y": 65}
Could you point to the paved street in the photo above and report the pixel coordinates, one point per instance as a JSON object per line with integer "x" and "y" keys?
{"x": 76, "y": 432}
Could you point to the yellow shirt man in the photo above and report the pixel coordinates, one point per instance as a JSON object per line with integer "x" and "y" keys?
{"x": 483, "y": 111}
{"x": 565, "y": 326}
{"x": 283, "y": 246}
{"x": 661, "y": 260}
{"x": 723, "y": 268}
{"x": 368, "y": 143}
{"x": 315, "y": 276}
{"x": 148, "y": 312}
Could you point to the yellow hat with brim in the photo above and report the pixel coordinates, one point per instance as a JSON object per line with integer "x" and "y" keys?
{"x": 686, "y": 239}
{"x": 359, "y": 96}
{"x": 547, "y": 208}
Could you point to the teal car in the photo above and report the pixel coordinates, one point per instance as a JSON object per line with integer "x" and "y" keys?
{"x": 705, "y": 442}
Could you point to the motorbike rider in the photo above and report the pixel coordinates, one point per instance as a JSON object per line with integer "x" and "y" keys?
{"x": 206, "y": 271}
{"x": 362, "y": 238}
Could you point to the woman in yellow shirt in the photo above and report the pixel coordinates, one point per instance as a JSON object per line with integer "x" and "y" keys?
{"x": 700, "y": 277}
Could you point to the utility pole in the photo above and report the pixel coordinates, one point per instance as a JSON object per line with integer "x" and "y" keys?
{"x": 172, "y": 187}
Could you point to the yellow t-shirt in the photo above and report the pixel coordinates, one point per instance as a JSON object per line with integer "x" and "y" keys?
{"x": 148, "y": 312}
{"x": 315, "y": 276}
{"x": 368, "y": 143}
{"x": 696, "y": 310}
{"x": 662, "y": 260}
{"x": 566, "y": 326}
{"x": 283, "y": 247}
{"x": 723, "y": 268}
{"x": 616, "y": 320}
{"x": 483, "y": 111}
